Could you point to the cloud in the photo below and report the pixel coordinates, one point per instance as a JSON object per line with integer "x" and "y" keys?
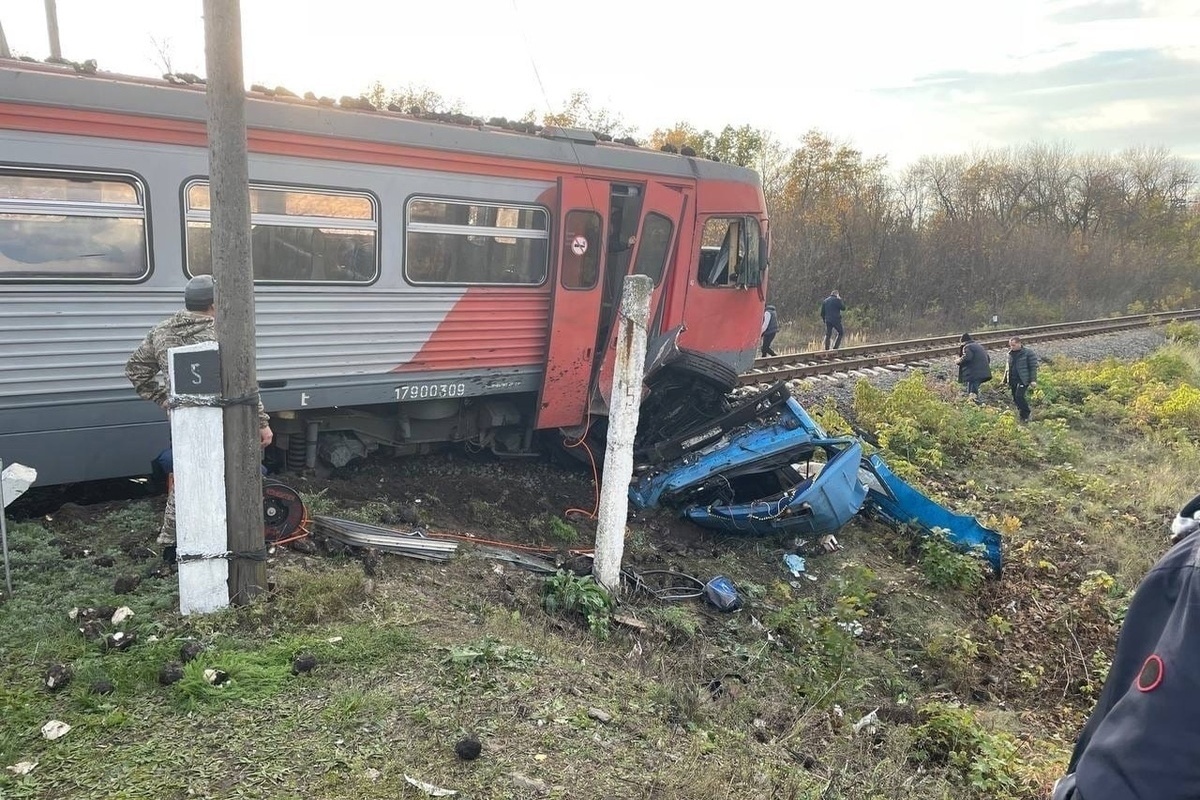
{"x": 1107, "y": 100}
{"x": 1096, "y": 11}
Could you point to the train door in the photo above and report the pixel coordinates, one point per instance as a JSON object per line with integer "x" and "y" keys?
{"x": 575, "y": 308}
{"x": 658, "y": 237}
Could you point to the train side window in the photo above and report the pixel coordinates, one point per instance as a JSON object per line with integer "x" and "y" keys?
{"x": 730, "y": 252}
{"x": 581, "y": 250}
{"x": 296, "y": 235}
{"x": 754, "y": 262}
{"x": 59, "y": 225}
{"x": 464, "y": 241}
{"x": 654, "y": 247}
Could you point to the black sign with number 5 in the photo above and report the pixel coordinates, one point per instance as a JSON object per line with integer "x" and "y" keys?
{"x": 197, "y": 372}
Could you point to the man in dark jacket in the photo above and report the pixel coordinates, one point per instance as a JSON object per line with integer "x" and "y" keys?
{"x": 1142, "y": 738}
{"x": 1020, "y": 374}
{"x": 974, "y": 366}
{"x": 769, "y": 329}
{"x": 831, "y": 313}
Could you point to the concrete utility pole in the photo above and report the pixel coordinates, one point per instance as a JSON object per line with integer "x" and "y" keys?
{"x": 52, "y": 28}
{"x": 626, "y": 400}
{"x": 230, "y": 198}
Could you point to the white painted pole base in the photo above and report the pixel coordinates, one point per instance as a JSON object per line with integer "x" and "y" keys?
{"x": 14, "y": 480}
{"x": 622, "y": 427}
{"x": 198, "y": 454}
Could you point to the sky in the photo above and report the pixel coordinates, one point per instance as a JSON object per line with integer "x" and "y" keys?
{"x": 897, "y": 79}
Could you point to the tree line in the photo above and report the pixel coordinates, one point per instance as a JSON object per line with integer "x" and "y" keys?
{"x": 1028, "y": 235}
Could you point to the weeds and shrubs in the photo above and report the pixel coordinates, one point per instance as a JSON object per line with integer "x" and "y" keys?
{"x": 923, "y": 430}
{"x": 1154, "y": 396}
{"x": 313, "y": 598}
{"x": 477, "y": 661}
{"x": 554, "y": 528}
{"x": 572, "y": 595}
{"x": 680, "y": 621}
{"x": 823, "y": 637}
{"x": 986, "y": 761}
{"x": 956, "y": 656}
{"x": 822, "y": 646}
{"x": 945, "y": 567}
{"x": 1187, "y": 333}
{"x": 830, "y": 418}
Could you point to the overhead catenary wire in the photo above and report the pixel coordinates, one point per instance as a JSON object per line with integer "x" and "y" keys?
{"x": 549, "y": 106}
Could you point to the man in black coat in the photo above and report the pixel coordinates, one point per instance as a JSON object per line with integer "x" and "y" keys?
{"x": 831, "y": 312}
{"x": 974, "y": 366}
{"x": 1142, "y": 740}
{"x": 1021, "y": 374}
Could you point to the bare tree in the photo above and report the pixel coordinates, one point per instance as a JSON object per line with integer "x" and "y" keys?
{"x": 162, "y": 54}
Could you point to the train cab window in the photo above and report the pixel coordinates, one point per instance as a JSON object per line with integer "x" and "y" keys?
{"x": 462, "y": 241}
{"x": 296, "y": 235}
{"x": 654, "y": 247}
{"x": 581, "y": 250}
{"x": 731, "y": 252}
{"x": 72, "y": 226}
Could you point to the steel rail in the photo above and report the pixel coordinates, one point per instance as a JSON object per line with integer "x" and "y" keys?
{"x": 893, "y": 355}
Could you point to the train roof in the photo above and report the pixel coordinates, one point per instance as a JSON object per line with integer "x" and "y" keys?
{"x": 182, "y": 97}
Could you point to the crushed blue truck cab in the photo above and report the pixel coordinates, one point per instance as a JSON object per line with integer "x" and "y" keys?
{"x": 768, "y": 467}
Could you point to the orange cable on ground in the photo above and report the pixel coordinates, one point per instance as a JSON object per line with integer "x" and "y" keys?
{"x": 595, "y": 474}
{"x": 595, "y": 486}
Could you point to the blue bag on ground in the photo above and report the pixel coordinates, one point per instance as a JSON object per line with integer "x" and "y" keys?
{"x": 722, "y": 594}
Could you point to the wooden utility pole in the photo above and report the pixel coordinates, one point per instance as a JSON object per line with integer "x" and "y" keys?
{"x": 4, "y": 51}
{"x": 230, "y": 198}
{"x": 52, "y": 28}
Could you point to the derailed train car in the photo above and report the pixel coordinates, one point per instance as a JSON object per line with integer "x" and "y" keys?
{"x": 417, "y": 282}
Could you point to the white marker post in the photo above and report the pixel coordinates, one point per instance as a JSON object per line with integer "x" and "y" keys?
{"x": 14, "y": 480}
{"x": 624, "y": 403}
{"x": 198, "y": 455}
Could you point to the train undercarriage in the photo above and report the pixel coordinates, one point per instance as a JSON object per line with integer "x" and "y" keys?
{"x": 756, "y": 466}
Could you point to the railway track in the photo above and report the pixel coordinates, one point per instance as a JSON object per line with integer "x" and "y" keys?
{"x": 914, "y": 352}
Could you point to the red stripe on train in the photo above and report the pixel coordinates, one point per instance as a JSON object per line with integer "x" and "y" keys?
{"x": 488, "y": 328}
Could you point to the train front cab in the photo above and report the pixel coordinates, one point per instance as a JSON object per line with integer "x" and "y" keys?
{"x": 703, "y": 244}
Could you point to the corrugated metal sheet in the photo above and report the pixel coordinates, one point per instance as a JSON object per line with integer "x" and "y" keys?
{"x": 76, "y": 343}
{"x": 487, "y": 328}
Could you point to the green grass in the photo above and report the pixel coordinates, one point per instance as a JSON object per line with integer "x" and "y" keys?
{"x": 980, "y": 683}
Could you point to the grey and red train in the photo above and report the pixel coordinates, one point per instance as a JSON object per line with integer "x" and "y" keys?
{"x": 417, "y": 282}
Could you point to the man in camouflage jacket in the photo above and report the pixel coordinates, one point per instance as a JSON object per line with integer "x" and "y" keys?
{"x": 146, "y": 369}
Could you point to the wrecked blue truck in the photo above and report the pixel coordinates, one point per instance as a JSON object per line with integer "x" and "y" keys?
{"x": 767, "y": 467}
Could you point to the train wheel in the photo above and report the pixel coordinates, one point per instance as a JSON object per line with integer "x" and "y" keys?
{"x": 706, "y": 368}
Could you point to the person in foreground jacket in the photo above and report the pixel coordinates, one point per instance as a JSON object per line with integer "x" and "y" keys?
{"x": 1142, "y": 741}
